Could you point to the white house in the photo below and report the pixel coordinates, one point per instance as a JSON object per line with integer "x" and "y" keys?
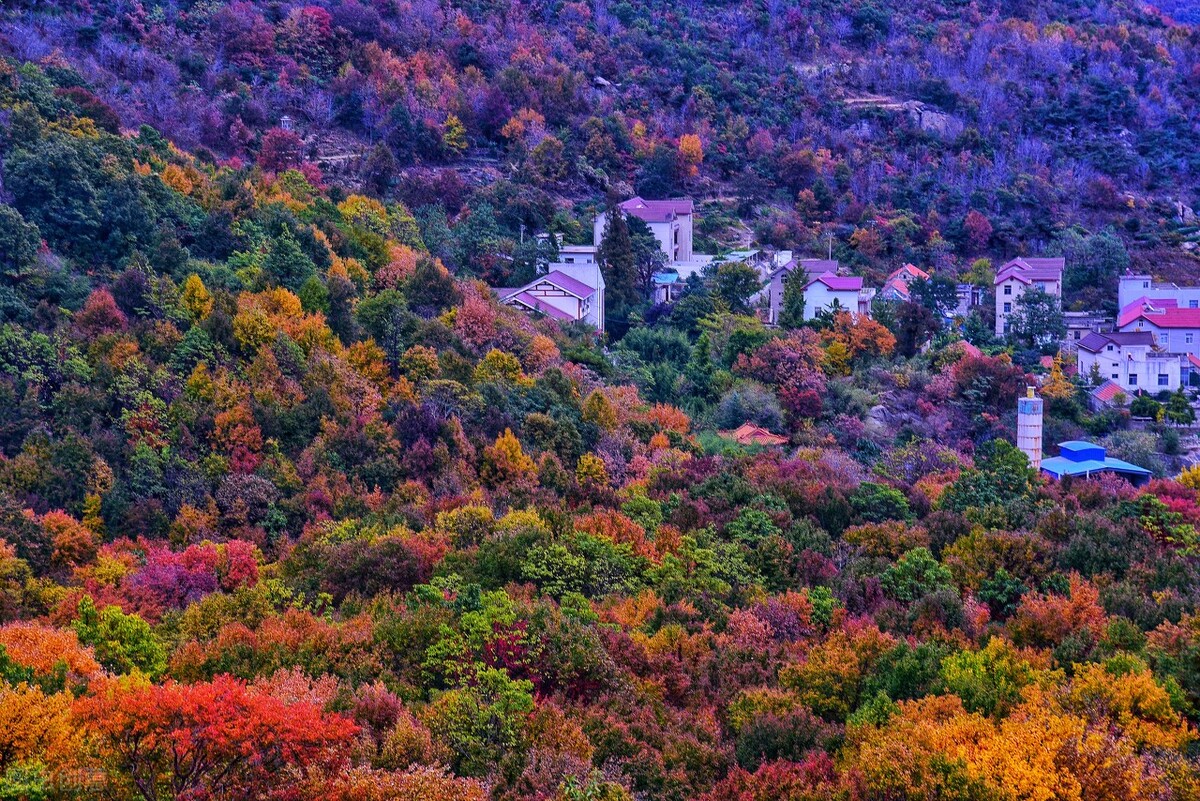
{"x": 1020, "y": 274}
{"x": 1175, "y": 329}
{"x": 567, "y": 292}
{"x": 1132, "y": 360}
{"x": 846, "y": 291}
{"x": 1137, "y": 287}
{"x": 669, "y": 220}
{"x": 773, "y": 287}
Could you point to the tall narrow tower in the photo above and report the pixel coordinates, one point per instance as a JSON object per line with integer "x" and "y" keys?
{"x": 1029, "y": 427}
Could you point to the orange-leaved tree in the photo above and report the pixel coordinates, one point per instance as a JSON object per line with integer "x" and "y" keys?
{"x": 218, "y": 739}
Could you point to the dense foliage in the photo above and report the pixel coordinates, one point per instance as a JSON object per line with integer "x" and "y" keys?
{"x": 292, "y": 508}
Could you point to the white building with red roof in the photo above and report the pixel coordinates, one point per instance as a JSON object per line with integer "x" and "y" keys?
{"x": 1016, "y": 276}
{"x": 1134, "y": 286}
{"x": 1176, "y": 329}
{"x": 669, "y": 220}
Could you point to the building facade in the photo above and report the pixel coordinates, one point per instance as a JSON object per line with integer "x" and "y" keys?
{"x": 1131, "y": 360}
{"x": 1015, "y": 277}
{"x": 1134, "y": 287}
{"x": 1174, "y": 329}
{"x": 567, "y": 293}
{"x": 669, "y": 220}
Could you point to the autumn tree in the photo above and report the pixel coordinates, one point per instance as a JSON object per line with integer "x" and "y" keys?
{"x": 209, "y": 739}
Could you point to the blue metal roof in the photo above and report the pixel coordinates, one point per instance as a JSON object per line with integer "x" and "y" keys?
{"x": 1079, "y": 458}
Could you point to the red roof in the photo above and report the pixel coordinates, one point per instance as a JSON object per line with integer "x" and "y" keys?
{"x": 911, "y": 270}
{"x": 970, "y": 349}
{"x": 1107, "y": 391}
{"x": 1161, "y": 314}
{"x": 750, "y": 434}
{"x": 657, "y": 210}
{"x": 838, "y": 283}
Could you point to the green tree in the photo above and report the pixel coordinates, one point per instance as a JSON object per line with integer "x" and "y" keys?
{"x": 19, "y": 242}
{"x": 619, "y": 263}
{"x": 916, "y": 575}
{"x": 875, "y": 503}
{"x": 1037, "y": 320}
{"x": 1179, "y": 408}
{"x": 791, "y": 310}
{"x": 735, "y": 282}
{"x": 286, "y": 261}
{"x": 122, "y": 642}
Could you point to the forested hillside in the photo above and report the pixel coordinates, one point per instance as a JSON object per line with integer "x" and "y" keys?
{"x": 880, "y": 124}
{"x": 292, "y": 507}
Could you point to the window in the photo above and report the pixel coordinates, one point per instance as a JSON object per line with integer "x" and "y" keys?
{"x": 1008, "y": 289}
{"x": 1007, "y": 308}
{"x": 1187, "y": 338}
{"x": 1110, "y": 347}
{"x": 1041, "y": 285}
{"x": 1133, "y": 379}
{"x": 1164, "y": 380}
{"x": 1115, "y": 376}
{"x": 1162, "y": 339}
{"x": 1192, "y": 304}
{"x": 1145, "y": 285}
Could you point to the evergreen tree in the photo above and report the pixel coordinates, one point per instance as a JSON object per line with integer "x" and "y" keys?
{"x": 791, "y": 311}
{"x": 1179, "y": 408}
{"x": 700, "y": 369}
{"x": 286, "y": 262}
{"x": 617, "y": 260}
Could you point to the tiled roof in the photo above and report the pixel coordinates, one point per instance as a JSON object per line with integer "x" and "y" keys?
{"x": 838, "y": 283}
{"x": 1107, "y": 391}
{"x": 1029, "y": 270}
{"x": 539, "y": 305}
{"x": 1160, "y": 314}
{"x": 1095, "y": 342}
{"x": 910, "y": 270}
{"x": 565, "y": 282}
{"x": 750, "y": 434}
{"x": 657, "y": 210}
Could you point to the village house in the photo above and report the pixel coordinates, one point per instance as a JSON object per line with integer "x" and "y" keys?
{"x": 897, "y": 286}
{"x": 567, "y": 292}
{"x": 669, "y": 220}
{"x": 1175, "y": 329}
{"x": 1136, "y": 287}
{"x": 773, "y": 288}
{"x": 828, "y": 291}
{"x": 1080, "y": 324}
{"x": 1020, "y": 274}
{"x": 1131, "y": 360}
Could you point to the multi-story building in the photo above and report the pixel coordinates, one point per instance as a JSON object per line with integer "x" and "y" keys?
{"x": 828, "y": 291}
{"x": 568, "y": 292}
{"x": 1080, "y": 324}
{"x": 773, "y": 289}
{"x": 1175, "y": 329}
{"x": 1015, "y": 277}
{"x": 669, "y": 220}
{"x": 1135, "y": 287}
{"x": 1132, "y": 360}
